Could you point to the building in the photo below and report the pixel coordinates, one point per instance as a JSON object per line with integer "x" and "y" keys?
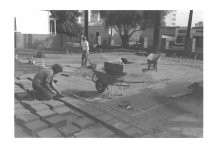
{"x": 170, "y": 19}
{"x": 35, "y": 22}
{"x": 173, "y": 38}
{"x": 199, "y": 24}
{"x": 196, "y": 35}
{"x": 36, "y": 30}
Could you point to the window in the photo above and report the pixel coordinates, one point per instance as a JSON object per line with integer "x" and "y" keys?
{"x": 199, "y": 41}
{"x": 52, "y": 24}
{"x": 180, "y": 39}
{"x": 182, "y": 31}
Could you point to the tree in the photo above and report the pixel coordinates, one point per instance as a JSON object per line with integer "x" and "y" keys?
{"x": 127, "y": 22}
{"x": 155, "y": 19}
{"x": 67, "y": 22}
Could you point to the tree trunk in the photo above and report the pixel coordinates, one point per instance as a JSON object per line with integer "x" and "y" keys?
{"x": 125, "y": 41}
{"x": 187, "y": 39}
{"x": 156, "y": 34}
{"x": 86, "y": 24}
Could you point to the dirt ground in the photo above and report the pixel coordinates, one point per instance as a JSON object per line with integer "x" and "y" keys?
{"x": 24, "y": 68}
{"x": 146, "y": 90}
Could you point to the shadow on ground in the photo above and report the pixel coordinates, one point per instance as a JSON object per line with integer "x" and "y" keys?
{"x": 82, "y": 93}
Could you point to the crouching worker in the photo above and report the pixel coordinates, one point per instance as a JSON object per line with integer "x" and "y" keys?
{"x": 43, "y": 82}
{"x": 152, "y": 59}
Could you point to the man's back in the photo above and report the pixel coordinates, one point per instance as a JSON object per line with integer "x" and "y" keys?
{"x": 153, "y": 57}
{"x": 43, "y": 77}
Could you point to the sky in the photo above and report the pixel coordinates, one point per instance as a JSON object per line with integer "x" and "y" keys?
{"x": 182, "y": 17}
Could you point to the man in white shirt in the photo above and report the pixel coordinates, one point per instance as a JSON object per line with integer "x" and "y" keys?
{"x": 85, "y": 51}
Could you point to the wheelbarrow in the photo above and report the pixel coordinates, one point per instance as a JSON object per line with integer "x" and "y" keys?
{"x": 108, "y": 76}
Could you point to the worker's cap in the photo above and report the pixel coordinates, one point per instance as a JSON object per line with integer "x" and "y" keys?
{"x": 57, "y": 67}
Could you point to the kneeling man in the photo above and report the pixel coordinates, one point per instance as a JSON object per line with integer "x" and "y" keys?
{"x": 43, "y": 82}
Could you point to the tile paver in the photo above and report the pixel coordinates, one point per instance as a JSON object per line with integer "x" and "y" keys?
{"x": 69, "y": 130}
{"x": 83, "y": 122}
{"x": 24, "y": 118}
{"x": 95, "y": 133}
{"x": 49, "y": 133}
{"x": 31, "y": 102}
{"x": 21, "y": 111}
{"x": 56, "y": 121}
{"x": 35, "y": 126}
{"x": 65, "y": 111}
{"x": 45, "y": 113}
{"x": 38, "y": 107}
{"x": 54, "y": 104}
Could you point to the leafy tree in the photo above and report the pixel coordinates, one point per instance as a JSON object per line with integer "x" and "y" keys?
{"x": 127, "y": 22}
{"x": 67, "y": 22}
{"x": 155, "y": 19}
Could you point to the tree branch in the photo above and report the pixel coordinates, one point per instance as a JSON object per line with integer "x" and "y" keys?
{"x": 135, "y": 30}
{"x": 119, "y": 32}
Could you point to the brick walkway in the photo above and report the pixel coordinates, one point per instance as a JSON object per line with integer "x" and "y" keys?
{"x": 53, "y": 119}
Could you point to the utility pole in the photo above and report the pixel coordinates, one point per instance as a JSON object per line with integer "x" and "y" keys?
{"x": 86, "y": 24}
{"x": 15, "y": 30}
{"x": 187, "y": 39}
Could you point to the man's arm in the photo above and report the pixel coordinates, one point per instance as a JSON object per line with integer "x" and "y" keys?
{"x": 49, "y": 88}
{"x": 54, "y": 88}
{"x": 47, "y": 82}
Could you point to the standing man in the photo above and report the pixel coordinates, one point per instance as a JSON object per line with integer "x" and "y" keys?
{"x": 43, "y": 82}
{"x": 85, "y": 51}
{"x": 99, "y": 43}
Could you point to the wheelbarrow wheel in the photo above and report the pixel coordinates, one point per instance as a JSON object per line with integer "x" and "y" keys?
{"x": 94, "y": 78}
{"x": 100, "y": 86}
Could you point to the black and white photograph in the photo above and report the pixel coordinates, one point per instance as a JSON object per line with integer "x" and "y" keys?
{"x": 109, "y": 73}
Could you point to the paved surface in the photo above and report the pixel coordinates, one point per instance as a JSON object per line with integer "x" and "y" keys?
{"x": 153, "y": 113}
{"x": 54, "y": 118}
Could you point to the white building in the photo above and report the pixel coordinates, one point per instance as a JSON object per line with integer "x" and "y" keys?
{"x": 35, "y": 22}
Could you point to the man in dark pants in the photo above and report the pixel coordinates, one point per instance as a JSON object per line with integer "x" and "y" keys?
{"x": 43, "y": 82}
